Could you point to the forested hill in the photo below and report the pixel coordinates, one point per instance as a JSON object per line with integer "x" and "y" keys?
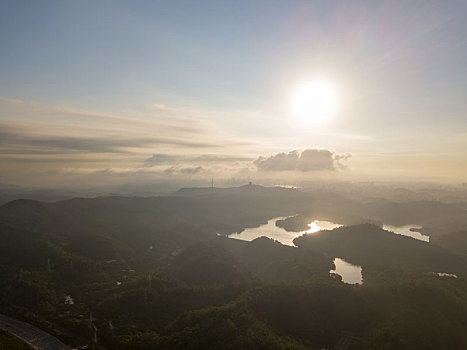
{"x": 159, "y": 273}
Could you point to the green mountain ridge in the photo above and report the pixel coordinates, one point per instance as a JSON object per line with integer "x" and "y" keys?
{"x": 162, "y": 272}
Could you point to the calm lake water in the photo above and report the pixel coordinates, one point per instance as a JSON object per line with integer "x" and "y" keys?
{"x": 279, "y": 234}
{"x": 444, "y": 274}
{"x": 351, "y": 274}
{"x": 405, "y": 231}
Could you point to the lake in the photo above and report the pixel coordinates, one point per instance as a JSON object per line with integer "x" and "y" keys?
{"x": 444, "y": 274}
{"x": 279, "y": 234}
{"x": 351, "y": 274}
{"x": 405, "y": 231}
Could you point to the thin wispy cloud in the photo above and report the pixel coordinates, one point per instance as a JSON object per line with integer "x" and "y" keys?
{"x": 15, "y": 110}
{"x": 61, "y": 141}
{"x": 157, "y": 159}
{"x": 63, "y": 129}
{"x": 84, "y": 144}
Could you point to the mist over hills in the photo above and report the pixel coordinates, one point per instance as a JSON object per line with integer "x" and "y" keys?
{"x": 161, "y": 269}
{"x": 104, "y": 226}
{"x": 252, "y": 175}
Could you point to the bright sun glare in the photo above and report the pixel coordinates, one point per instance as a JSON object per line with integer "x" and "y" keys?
{"x": 315, "y": 102}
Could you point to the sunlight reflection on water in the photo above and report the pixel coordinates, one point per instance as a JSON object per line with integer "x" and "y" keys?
{"x": 318, "y": 225}
{"x": 270, "y": 230}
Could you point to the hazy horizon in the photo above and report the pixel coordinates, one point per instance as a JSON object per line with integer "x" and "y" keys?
{"x": 280, "y": 175}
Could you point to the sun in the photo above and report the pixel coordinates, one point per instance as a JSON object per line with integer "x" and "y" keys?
{"x": 315, "y": 102}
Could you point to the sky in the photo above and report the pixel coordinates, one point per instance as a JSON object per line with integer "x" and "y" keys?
{"x": 119, "y": 92}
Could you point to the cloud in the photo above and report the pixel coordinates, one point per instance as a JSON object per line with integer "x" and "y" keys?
{"x": 308, "y": 160}
{"x": 208, "y": 159}
{"x": 163, "y": 107}
{"x": 157, "y": 159}
{"x": 211, "y": 158}
{"x": 174, "y": 170}
{"x": 315, "y": 159}
{"x": 27, "y": 126}
{"x": 17, "y": 110}
{"x": 191, "y": 170}
{"x": 27, "y": 141}
{"x": 279, "y": 162}
{"x": 339, "y": 160}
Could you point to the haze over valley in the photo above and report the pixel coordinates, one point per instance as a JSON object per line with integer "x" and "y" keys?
{"x": 233, "y": 175}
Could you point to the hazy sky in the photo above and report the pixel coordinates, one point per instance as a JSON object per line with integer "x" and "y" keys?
{"x": 122, "y": 91}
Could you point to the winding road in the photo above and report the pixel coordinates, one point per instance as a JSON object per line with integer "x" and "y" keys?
{"x": 34, "y": 336}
